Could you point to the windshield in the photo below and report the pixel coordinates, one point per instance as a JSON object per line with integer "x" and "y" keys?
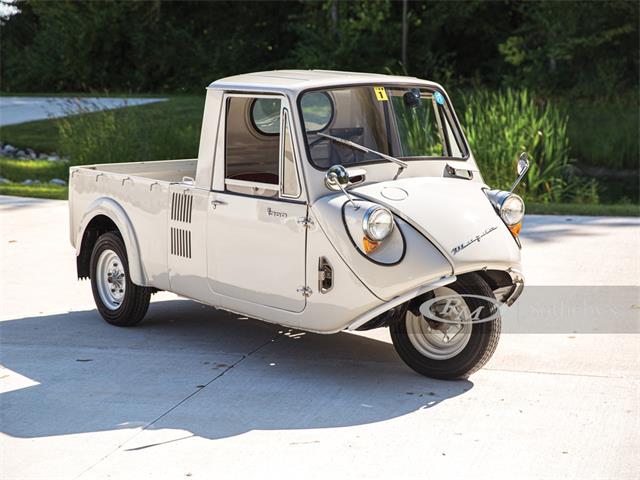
{"x": 402, "y": 122}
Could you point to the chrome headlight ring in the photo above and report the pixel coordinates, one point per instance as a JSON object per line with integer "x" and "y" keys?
{"x": 377, "y": 223}
{"x": 509, "y": 206}
{"x": 512, "y": 210}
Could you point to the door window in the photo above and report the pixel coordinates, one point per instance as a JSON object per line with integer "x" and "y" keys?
{"x": 252, "y": 147}
{"x": 259, "y": 149}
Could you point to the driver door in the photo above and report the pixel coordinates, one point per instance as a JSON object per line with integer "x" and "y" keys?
{"x": 256, "y": 238}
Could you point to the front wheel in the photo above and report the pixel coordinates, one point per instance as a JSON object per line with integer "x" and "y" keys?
{"x": 462, "y": 342}
{"x": 118, "y": 299}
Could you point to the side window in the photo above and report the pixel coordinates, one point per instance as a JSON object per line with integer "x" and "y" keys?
{"x": 290, "y": 183}
{"x": 252, "y": 146}
{"x": 454, "y": 147}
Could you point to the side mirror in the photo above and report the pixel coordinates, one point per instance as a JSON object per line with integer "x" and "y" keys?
{"x": 523, "y": 163}
{"x": 336, "y": 178}
{"x": 522, "y": 168}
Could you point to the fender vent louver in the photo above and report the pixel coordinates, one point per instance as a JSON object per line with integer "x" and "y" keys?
{"x": 181, "y": 206}
{"x": 181, "y": 242}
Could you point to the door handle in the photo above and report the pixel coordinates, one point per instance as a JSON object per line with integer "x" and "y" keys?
{"x": 215, "y": 203}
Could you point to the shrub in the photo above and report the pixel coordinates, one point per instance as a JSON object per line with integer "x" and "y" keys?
{"x": 500, "y": 125}
{"x": 129, "y": 134}
{"x": 604, "y": 132}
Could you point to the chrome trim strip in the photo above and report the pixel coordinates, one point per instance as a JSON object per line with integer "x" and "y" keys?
{"x": 365, "y": 317}
{"x": 367, "y": 216}
{"x": 245, "y": 183}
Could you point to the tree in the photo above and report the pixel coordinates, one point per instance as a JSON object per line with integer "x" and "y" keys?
{"x": 585, "y": 47}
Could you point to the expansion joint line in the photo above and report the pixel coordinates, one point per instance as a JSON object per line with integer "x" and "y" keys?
{"x": 191, "y": 395}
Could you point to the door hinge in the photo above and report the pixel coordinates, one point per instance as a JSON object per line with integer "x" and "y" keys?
{"x": 305, "y": 291}
{"x": 305, "y": 222}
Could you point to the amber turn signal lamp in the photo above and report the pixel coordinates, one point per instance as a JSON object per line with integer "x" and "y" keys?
{"x": 369, "y": 245}
{"x": 515, "y": 229}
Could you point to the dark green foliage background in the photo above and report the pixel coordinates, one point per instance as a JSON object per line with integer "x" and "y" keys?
{"x": 580, "y": 55}
{"x": 587, "y": 48}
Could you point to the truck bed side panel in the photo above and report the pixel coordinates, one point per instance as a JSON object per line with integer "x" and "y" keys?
{"x": 145, "y": 202}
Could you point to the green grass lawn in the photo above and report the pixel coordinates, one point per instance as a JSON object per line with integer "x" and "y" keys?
{"x": 180, "y": 112}
{"x": 19, "y": 170}
{"x": 43, "y": 170}
{"x": 43, "y": 135}
{"x": 599, "y": 210}
{"x": 35, "y": 191}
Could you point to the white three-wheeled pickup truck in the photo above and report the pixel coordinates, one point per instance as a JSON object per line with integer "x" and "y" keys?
{"x": 321, "y": 201}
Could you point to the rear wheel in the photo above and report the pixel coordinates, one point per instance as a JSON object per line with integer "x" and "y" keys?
{"x": 462, "y": 342}
{"x": 119, "y": 301}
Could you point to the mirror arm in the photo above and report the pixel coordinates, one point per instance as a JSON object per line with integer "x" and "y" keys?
{"x": 344, "y": 190}
{"x": 518, "y": 180}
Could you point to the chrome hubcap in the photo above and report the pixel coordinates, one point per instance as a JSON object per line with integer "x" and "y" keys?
{"x": 441, "y": 340}
{"x": 111, "y": 279}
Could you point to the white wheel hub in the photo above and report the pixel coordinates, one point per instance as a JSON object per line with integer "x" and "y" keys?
{"x": 441, "y": 340}
{"x": 110, "y": 279}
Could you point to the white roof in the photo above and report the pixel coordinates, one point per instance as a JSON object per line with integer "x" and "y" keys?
{"x": 294, "y": 81}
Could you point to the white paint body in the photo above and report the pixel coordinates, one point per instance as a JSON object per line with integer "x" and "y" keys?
{"x": 259, "y": 256}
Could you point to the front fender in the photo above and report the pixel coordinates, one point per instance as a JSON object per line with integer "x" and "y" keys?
{"x": 454, "y": 214}
{"x": 422, "y": 263}
{"x": 111, "y": 209}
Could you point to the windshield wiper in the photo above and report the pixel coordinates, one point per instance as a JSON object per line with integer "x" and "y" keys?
{"x": 362, "y": 148}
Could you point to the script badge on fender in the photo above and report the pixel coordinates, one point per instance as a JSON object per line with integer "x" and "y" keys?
{"x": 477, "y": 238}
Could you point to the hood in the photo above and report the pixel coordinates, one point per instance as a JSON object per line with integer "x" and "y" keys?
{"x": 452, "y": 213}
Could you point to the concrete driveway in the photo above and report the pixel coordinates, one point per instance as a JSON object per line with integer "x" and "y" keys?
{"x": 15, "y": 110}
{"x": 197, "y": 393}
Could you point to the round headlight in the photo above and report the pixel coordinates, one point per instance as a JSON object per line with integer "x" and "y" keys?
{"x": 512, "y": 210}
{"x": 377, "y": 223}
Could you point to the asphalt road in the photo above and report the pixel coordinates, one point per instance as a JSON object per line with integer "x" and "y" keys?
{"x": 197, "y": 393}
{"x": 27, "y": 109}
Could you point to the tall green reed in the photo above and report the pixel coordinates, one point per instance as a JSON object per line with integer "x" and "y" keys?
{"x": 500, "y": 125}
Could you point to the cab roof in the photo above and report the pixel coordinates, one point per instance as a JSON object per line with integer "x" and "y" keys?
{"x": 295, "y": 81}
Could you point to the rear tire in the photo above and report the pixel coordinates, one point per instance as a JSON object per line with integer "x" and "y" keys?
{"x": 419, "y": 342}
{"x": 119, "y": 301}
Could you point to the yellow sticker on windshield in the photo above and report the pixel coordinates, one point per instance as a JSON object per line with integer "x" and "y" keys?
{"x": 381, "y": 94}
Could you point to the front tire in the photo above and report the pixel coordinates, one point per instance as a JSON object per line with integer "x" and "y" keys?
{"x": 119, "y": 301}
{"x": 449, "y": 350}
